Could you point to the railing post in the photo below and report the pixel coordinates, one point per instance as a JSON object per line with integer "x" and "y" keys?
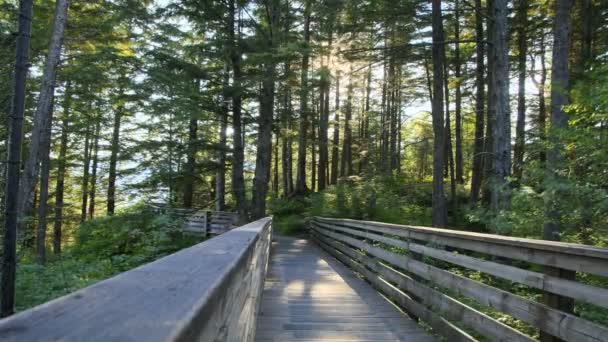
{"x": 206, "y": 223}
{"x": 561, "y": 303}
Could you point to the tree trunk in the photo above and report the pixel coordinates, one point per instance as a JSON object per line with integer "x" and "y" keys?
{"x": 301, "y": 167}
{"x": 85, "y": 172}
{"x": 366, "y": 119}
{"x": 587, "y": 23}
{"x": 11, "y": 192}
{"x": 286, "y": 148}
{"x": 220, "y": 178}
{"x": 346, "y": 165}
{"x": 336, "y": 138}
{"x": 264, "y": 146}
{"x": 188, "y": 196}
{"x": 559, "y": 120}
{"x": 478, "y": 147}
{"x": 45, "y": 150}
{"x": 42, "y": 210}
{"x": 313, "y": 143}
{"x": 392, "y": 114}
{"x": 93, "y": 188}
{"x": 555, "y": 158}
{"x": 458, "y": 109}
{"x": 439, "y": 211}
{"x": 275, "y": 181}
{"x": 488, "y": 160}
{"x": 238, "y": 156}
{"x": 43, "y": 115}
{"x": 323, "y": 125}
{"x": 520, "y": 138}
{"x": 448, "y": 138}
{"x": 264, "y": 143}
{"x": 542, "y": 102}
{"x": 114, "y": 150}
{"x": 500, "y": 198}
{"x": 61, "y": 170}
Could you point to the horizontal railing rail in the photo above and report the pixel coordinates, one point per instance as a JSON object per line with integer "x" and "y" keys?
{"x": 424, "y": 270}
{"x": 199, "y": 221}
{"x": 208, "y": 292}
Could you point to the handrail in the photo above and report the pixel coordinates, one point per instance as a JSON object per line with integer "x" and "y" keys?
{"x": 415, "y": 266}
{"x": 207, "y": 292}
{"x": 199, "y": 221}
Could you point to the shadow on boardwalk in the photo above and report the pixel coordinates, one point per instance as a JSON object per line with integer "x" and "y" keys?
{"x": 310, "y": 296}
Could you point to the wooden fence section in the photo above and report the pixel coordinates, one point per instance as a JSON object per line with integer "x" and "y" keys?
{"x": 209, "y": 292}
{"x": 200, "y": 221}
{"x": 423, "y": 270}
{"x": 210, "y": 222}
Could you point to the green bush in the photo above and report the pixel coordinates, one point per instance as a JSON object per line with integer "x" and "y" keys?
{"x": 102, "y": 248}
{"x": 289, "y": 214}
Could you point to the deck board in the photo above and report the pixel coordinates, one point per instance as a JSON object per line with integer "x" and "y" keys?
{"x": 309, "y": 296}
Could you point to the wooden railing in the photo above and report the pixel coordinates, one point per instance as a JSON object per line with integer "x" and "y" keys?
{"x": 424, "y": 270}
{"x": 210, "y": 222}
{"x": 209, "y": 292}
{"x": 198, "y": 221}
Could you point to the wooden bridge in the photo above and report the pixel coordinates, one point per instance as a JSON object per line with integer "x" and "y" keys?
{"x": 346, "y": 281}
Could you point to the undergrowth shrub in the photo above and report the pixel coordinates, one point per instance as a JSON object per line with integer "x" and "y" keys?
{"x": 102, "y": 248}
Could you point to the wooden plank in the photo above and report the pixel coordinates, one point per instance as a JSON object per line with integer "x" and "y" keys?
{"x": 592, "y": 295}
{"x": 184, "y": 296}
{"x": 446, "y": 305}
{"x": 565, "y": 326}
{"x": 442, "y": 326}
{"x": 308, "y": 296}
{"x": 580, "y": 258}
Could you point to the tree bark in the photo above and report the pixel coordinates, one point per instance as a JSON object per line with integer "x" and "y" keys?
{"x": 522, "y": 46}
{"x": 286, "y": 148}
{"x": 313, "y": 143}
{"x": 61, "y": 170}
{"x": 587, "y": 23}
{"x": 43, "y": 114}
{"x": 93, "y": 187}
{"x": 439, "y": 211}
{"x": 275, "y": 176}
{"x": 335, "y": 152}
{"x": 448, "y": 139}
{"x": 488, "y": 159}
{"x": 220, "y": 178}
{"x": 346, "y": 165}
{"x": 238, "y": 155}
{"x": 458, "y": 109}
{"x": 264, "y": 143}
{"x": 478, "y": 147}
{"x": 45, "y": 150}
{"x": 188, "y": 195}
{"x": 301, "y": 167}
{"x": 366, "y": 120}
{"x": 85, "y": 171}
{"x": 559, "y": 119}
{"x": 556, "y": 160}
{"x": 11, "y": 191}
{"x": 323, "y": 126}
{"x": 114, "y": 150}
{"x": 542, "y": 102}
{"x": 500, "y": 198}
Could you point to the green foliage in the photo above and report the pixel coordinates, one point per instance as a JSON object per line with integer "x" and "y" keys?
{"x": 103, "y": 247}
{"x": 130, "y": 238}
{"x": 376, "y": 199}
{"x": 289, "y": 214}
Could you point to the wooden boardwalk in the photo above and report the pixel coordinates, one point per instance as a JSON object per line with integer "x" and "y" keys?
{"x": 309, "y": 296}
